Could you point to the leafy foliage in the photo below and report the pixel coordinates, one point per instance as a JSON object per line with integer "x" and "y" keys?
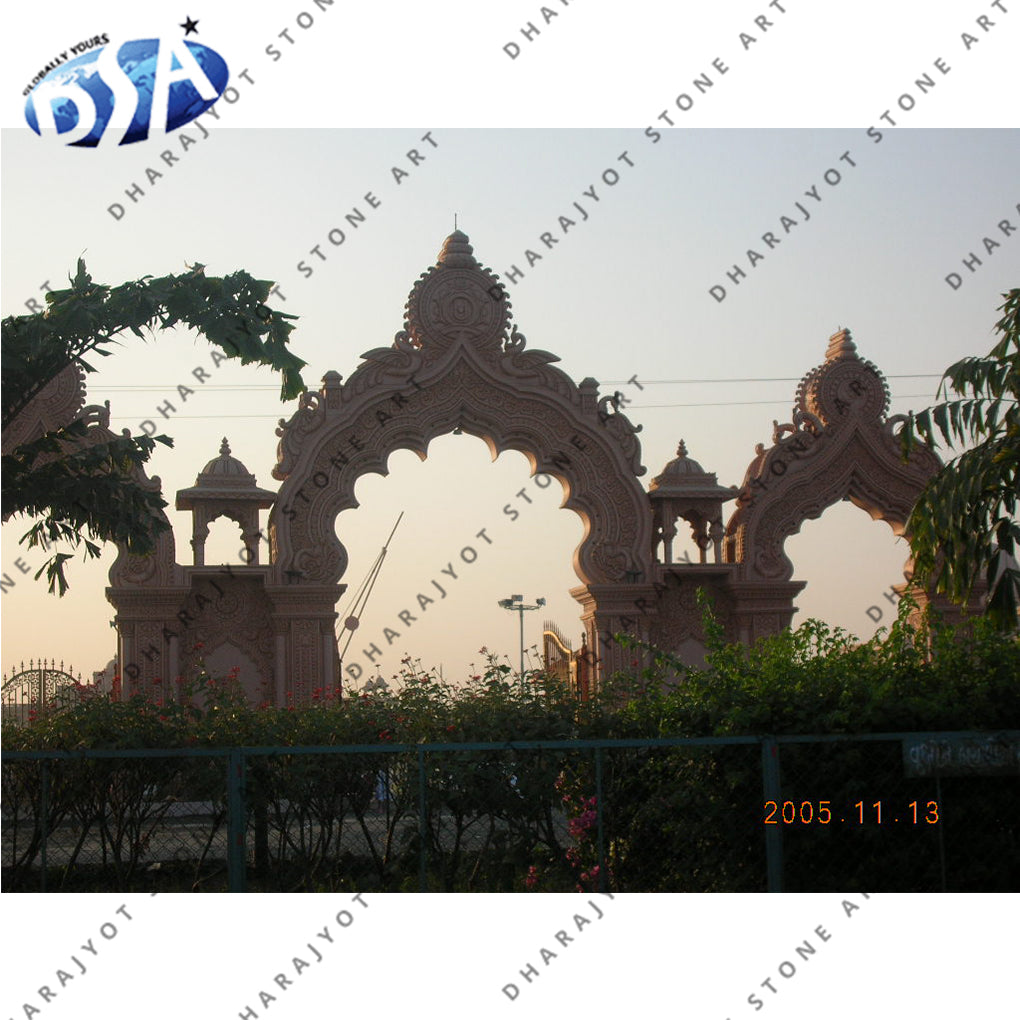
{"x": 517, "y": 819}
{"x": 86, "y": 492}
{"x": 965, "y": 521}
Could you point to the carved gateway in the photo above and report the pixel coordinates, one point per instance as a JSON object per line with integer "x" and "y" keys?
{"x": 839, "y": 445}
{"x": 460, "y": 365}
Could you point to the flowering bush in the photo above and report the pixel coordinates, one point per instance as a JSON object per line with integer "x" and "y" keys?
{"x": 510, "y": 819}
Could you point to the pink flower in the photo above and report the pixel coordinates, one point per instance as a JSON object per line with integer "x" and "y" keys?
{"x": 577, "y": 827}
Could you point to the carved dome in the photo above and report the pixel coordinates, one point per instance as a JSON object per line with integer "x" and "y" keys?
{"x": 457, "y": 301}
{"x": 681, "y": 466}
{"x": 685, "y": 476}
{"x": 225, "y": 469}
{"x": 224, "y": 477}
{"x": 845, "y": 386}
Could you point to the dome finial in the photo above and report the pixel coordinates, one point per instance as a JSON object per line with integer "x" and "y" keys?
{"x": 457, "y": 252}
{"x": 681, "y": 450}
{"x": 224, "y": 448}
{"x": 841, "y": 345}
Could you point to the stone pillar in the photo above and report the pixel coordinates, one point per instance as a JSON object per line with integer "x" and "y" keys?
{"x": 616, "y": 608}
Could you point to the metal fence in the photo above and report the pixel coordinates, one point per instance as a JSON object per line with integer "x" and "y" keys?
{"x": 886, "y": 812}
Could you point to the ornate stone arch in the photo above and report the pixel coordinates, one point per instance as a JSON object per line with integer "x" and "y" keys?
{"x": 839, "y": 445}
{"x": 459, "y": 365}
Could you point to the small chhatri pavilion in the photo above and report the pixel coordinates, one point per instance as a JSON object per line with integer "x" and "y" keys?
{"x": 225, "y": 488}
{"x": 686, "y": 491}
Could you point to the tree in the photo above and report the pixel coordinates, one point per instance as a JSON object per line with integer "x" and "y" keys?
{"x": 89, "y": 491}
{"x": 964, "y": 522}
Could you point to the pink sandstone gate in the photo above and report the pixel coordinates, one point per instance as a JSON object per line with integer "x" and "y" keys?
{"x": 460, "y": 364}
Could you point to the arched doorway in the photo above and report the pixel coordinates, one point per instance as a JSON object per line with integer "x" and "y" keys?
{"x": 459, "y": 365}
{"x": 839, "y": 445}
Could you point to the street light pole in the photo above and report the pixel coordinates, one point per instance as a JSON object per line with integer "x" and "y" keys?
{"x": 516, "y": 604}
{"x": 520, "y": 616}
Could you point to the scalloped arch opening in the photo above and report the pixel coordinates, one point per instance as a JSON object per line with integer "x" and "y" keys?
{"x": 861, "y": 550}
{"x": 474, "y": 531}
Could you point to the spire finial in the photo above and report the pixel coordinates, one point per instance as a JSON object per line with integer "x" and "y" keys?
{"x": 841, "y": 345}
{"x": 454, "y": 221}
{"x": 681, "y": 450}
{"x": 224, "y": 448}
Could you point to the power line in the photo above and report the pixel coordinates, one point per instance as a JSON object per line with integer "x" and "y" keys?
{"x": 776, "y": 378}
{"x": 255, "y": 387}
{"x": 785, "y": 402}
{"x": 745, "y": 403}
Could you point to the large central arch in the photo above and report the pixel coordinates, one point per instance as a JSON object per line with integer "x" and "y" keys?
{"x": 458, "y": 365}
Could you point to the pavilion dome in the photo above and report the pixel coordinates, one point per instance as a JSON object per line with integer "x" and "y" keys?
{"x": 224, "y": 477}
{"x": 224, "y": 467}
{"x": 684, "y": 476}
{"x": 680, "y": 467}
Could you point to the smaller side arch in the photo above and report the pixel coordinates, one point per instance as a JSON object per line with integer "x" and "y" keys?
{"x": 840, "y": 444}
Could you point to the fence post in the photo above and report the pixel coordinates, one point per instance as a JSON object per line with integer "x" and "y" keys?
{"x": 941, "y": 831}
{"x": 44, "y": 810}
{"x": 772, "y": 790}
{"x": 600, "y": 829}
{"x": 422, "y": 828}
{"x": 236, "y": 855}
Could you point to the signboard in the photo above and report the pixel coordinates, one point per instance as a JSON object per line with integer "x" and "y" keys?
{"x": 992, "y": 755}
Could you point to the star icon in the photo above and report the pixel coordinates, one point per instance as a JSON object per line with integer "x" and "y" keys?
{"x": 189, "y": 26}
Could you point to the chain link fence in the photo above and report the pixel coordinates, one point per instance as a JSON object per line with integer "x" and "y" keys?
{"x": 888, "y": 812}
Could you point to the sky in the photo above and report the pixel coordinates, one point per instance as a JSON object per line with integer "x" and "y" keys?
{"x": 624, "y": 294}
{"x": 693, "y": 134}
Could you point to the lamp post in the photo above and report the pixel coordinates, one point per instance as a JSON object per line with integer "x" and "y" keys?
{"x": 516, "y": 604}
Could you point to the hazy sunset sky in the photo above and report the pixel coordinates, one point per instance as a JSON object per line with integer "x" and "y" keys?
{"x": 624, "y": 293}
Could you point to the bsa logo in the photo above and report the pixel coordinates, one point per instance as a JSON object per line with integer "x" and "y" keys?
{"x": 126, "y": 92}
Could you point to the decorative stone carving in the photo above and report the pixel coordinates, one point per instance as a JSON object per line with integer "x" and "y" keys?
{"x": 458, "y": 364}
{"x": 225, "y": 488}
{"x": 56, "y": 405}
{"x": 686, "y": 490}
{"x": 457, "y": 300}
{"x": 838, "y": 445}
